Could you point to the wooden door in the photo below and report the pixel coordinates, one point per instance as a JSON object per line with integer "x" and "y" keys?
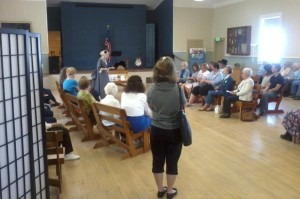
{"x": 54, "y": 39}
{"x": 219, "y": 52}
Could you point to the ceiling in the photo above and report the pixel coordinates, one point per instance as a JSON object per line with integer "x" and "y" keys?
{"x": 151, "y": 4}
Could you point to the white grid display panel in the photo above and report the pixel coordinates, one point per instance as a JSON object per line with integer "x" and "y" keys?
{"x": 22, "y": 169}
{"x": 36, "y": 105}
{"x": 14, "y": 138}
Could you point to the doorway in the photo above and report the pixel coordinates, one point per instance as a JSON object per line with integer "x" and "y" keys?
{"x": 219, "y": 49}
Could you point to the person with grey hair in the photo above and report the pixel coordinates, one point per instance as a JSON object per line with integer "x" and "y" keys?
{"x": 243, "y": 92}
{"x": 102, "y": 77}
{"x": 295, "y": 82}
{"x": 184, "y": 72}
{"x": 111, "y": 90}
{"x": 293, "y": 76}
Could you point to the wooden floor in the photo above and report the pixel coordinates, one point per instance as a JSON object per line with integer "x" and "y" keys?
{"x": 229, "y": 159}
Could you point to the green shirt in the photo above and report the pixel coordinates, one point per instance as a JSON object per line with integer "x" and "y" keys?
{"x": 87, "y": 99}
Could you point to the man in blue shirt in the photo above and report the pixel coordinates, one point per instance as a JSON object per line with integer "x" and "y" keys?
{"x": 272, "y": 90}
{"x": 295, "y": 85}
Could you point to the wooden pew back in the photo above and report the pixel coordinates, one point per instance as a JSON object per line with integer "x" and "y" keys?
{"x": 119, "y": 126}
{"x": 80, "y": 117}
{"x": 55, "y": 155}
{"x": 277, "y": 101}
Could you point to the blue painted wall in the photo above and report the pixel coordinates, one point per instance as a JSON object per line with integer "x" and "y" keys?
{"x": 54, "y": 19}
{"x": 162, "y": 17}
{"x": 84, "y": 29}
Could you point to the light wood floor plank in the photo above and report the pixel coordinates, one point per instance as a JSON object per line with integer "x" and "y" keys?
{"x": 229, "y": 159}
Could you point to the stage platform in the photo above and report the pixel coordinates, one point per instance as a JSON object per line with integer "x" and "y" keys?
{"x": 49, "y": 79}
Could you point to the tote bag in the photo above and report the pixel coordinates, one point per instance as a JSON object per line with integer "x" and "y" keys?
{"x": 185, "y": 129}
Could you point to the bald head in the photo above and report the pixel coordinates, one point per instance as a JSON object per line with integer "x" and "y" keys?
{"x": 296, "y": 66}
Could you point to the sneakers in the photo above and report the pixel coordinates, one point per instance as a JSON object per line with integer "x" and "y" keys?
{"x": 71, "y": 156}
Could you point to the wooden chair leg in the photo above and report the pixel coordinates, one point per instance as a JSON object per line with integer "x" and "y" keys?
{"x": 146, "y": 141}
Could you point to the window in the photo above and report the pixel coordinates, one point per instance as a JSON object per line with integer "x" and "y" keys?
{"x": 271, "y": 39}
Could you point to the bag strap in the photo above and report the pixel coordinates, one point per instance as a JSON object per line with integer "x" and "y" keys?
{"x": 180, "y": 99}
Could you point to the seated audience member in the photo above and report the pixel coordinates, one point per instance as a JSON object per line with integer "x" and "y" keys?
{"x": 242, "y": 93}
{"x": 286, "y": 71}
{"x": 62, "y": 76}
{"x": 295, "y": 82}
{"x": 207, "y": 84}
{"x": 222, "y": 64}
{"x": 266, "y": 78}
{"x": 70, "y": 85}
{"x": 66, "y": 143}
{"x": 293, "y": 76}
{"x": 196, "y": 70}
{"x": 296, "y": 91}
{"x": 87, "y": 98}
{"x": 272, "y": 90}
{"x": 261, "y": 71}
{"x": 191, "y": 80}
{"x": 110, "y": 90}
{"x": 202, "y": 74}
{"x": 221, "y": 90}
{"x": 134, "y": 101}
{"x": 184, "y": 72}
{"x": 237, "y": 65}
{"x": 48, "y": 114}
{"x": 291, "y": 123}
{"x": 49, "y": 97}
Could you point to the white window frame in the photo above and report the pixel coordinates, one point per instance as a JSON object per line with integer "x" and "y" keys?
{"x": 262, "y": 18}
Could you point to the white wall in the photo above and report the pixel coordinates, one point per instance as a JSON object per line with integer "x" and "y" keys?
{"x": 28, "y": 11}
{"x": 192, "y": 23}
{"x": 248, "y": 12}
{"x": 33, "y": 12}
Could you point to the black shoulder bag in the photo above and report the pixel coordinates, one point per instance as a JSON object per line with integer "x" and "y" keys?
{"x": 185, "y": 129}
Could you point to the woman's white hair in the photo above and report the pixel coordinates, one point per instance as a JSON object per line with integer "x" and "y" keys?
{"x": 185, "y": 63}
{"x": 103, "y": 52}
{"x": 248, "y": 72}
{"x": 111, "y": 89}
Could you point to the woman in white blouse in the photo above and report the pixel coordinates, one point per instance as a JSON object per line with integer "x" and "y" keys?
{"x": 134, "y": 101}
{"x": 243, "y": 92}
{"x": 111, "y": 91}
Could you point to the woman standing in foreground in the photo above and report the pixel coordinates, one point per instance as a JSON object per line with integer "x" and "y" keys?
{"x": 165, "y": 136}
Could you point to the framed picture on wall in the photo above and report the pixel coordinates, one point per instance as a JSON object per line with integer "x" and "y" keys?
{"x": 239, "y": 40}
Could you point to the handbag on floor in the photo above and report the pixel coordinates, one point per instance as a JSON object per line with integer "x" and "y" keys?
{"x": 185, "y": 129}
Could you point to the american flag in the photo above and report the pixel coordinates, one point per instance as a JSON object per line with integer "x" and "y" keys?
{"x": 107, "y": 44}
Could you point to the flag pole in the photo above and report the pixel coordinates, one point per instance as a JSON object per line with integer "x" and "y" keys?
{"x": 107, "y": 43}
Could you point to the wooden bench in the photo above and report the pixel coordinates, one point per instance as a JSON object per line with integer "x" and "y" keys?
{"x": 277, "y": 101}
{"x": 80, "y": 118}
{"x": 251, "y": 105}
{"x": 62, "y": 95}
{"x": 110, "y": 134}
{"x": 55, "y": 155}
